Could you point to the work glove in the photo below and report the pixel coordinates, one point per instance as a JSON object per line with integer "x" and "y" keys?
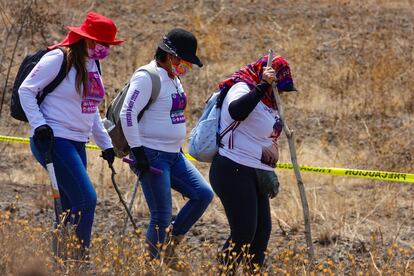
{"x": 275, "y": 189}
{"x": 109, "y": 155}
{"x": 267, "y": 183}
{"x": 43, "y": 133}
{"x": 141, "y": 162}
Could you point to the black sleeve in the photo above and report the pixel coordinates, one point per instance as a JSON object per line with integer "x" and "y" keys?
{"x": 239, "y": 109}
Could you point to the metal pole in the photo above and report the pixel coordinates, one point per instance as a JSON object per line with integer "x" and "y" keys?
{"x": 47, "y": 155}
{"x": 131, "y": 204}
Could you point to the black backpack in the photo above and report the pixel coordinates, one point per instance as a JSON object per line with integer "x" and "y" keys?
{"x": 29, "y": 62}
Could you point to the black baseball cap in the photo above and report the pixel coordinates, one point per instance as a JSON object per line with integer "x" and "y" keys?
{"x": 182, "y": 44}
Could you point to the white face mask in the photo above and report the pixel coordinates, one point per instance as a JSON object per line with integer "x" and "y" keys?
{"x": 99, "y": 52}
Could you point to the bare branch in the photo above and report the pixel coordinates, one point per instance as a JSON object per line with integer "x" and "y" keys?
{"x": 23, "y": 20}
{"x": 292, "y": 148}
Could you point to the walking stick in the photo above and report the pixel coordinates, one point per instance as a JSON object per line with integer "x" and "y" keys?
{"x": 293, "y": 157}
{"x": 134, "y": 192}
{"x": 131, "y": 204}
{"x": 47, "y": 155}
{"x": 121, "y": 198}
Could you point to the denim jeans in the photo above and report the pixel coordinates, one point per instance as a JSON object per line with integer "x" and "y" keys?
{"x": 76, "y": 189}
{"x": 180, "y": 175}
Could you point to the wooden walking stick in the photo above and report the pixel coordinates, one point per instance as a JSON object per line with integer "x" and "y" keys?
{"x": 293, "y": 157}
{"x": 121, "y": 198}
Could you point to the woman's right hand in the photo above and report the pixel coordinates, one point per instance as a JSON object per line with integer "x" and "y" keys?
{"x": 269, "y": 75}
{"x": 43, "y": 133}
{"x": 141, "y": 161}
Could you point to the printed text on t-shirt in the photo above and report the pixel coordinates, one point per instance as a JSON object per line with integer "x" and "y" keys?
{"x": 130, "y": 107}
{"x": 94, "y": 94}
{"x": 179, "y": 102}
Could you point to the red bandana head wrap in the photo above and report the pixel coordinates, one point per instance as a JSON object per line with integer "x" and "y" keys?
{"x": 252, "y": 75}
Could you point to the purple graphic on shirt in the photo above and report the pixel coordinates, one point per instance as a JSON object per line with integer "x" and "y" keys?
{"x": 94, "y": 94}
{"x": 179, "y": 102}
{"x": 130, "y": 106}
{"x": 277, "y": 129}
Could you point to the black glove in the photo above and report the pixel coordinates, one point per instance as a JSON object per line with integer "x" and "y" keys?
{"x": 109, "y": 155}
{"x": 43, "y": 133}
{"x": 141, "y": 162}
{"x": 263, "y": 86}
{"x": 267, "y": 183}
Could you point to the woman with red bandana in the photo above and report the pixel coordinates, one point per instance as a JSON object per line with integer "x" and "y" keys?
{"x": 69, "y": 115}
{"x": 242, "y": 173}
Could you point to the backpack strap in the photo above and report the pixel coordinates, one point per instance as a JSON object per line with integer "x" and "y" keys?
{"x": 151, "y": 69}
{"x": 228, "y": 129}
{"x": 98, "y": 64}
{"x": 58, "y": 79}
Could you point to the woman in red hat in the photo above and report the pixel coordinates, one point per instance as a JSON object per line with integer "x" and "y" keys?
{"x": 69, "y": 115}
{"x": 242, "y": 173}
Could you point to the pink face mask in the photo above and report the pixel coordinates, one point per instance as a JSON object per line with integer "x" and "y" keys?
{"x": 99, "y": 52}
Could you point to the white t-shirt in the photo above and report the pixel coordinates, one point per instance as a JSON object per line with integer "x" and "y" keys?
{"x": 255, "y": 139}
{"x": 162, "y": 127}
{"x": 70, "y": 115}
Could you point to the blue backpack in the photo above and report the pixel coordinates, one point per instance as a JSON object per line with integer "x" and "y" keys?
{"x": 204, "y": 140}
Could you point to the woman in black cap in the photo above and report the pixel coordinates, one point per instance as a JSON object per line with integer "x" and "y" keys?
{"x": 157, "y": 138}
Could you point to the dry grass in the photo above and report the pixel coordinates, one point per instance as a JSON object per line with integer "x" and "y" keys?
{"x": 352, "y": 62}
{"x": 112, "y": 254}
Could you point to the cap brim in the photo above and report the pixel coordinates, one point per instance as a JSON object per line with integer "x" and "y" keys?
{"x": 82, "y": 33}
{"x": 190, "y": 58}
{"x": 288, "y": 87}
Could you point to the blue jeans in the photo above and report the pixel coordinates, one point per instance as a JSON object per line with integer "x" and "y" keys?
{"x": 76, "y": 189}
{"x": 182, "y": 176}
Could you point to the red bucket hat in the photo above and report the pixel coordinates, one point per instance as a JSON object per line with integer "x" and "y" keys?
{"x": 99, "y": 28}
{"x": 96, "y": 27}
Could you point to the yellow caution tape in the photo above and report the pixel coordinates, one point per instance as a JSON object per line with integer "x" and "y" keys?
{"x": 378, "y": 175}
{"x": 27, "y": 141}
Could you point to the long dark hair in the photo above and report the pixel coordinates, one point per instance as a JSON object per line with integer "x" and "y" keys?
{"x": 76, "y": 56}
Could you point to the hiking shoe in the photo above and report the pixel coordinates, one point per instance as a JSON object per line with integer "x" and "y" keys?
{"x": 171, "y": 258}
